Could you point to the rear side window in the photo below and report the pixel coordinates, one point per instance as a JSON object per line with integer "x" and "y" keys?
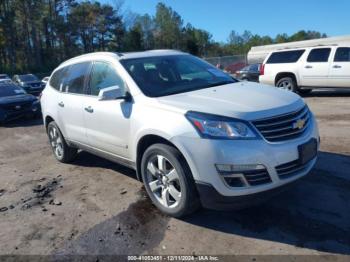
{"x": 342, "y": 54}
{"x": 75, "y": 80}
{"x": 285, "y": 57}
{"x": 254, "y": 68}
{"x": 319, "y": 55}
{"x": 57, "y": 78}
{"x": 104, "y": 75}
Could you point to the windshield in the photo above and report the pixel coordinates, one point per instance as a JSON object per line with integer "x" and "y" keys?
{"x": 10, "y": 90}
{"x": 28, "y": 78}
{"x": 167, "y": 75}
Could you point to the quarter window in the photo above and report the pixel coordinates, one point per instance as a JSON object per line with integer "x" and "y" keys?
{"x": 285, "y": 57}
{"x": 104, "y": 75}
{"x": 57, "y": 78}
{"x": 319, "y": 55}
{"x": 254, "y": 68}
{"x": 76, "y": 78}
{"x": 342, "y": 54}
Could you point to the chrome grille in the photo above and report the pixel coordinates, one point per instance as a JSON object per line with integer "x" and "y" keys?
{"x": 284, "y": 127}
{"x": 18, "y": 106}
{"x": 291, "y": 169}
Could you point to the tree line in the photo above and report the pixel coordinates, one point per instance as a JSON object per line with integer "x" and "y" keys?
{"x": 37, "y": 35}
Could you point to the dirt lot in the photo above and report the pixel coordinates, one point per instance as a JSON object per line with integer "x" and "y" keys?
{"x": 93, "y": 206}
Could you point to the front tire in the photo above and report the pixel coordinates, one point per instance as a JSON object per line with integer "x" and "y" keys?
{"x": 168, "y": 180}
{"x": 59, "y": 146}
{"x": 287, "y": 83}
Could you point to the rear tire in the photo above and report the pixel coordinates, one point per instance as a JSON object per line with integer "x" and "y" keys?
{"x": 59, "y": 146}
{"x": 168, "y": 181}
{"x": 287, "y": 83}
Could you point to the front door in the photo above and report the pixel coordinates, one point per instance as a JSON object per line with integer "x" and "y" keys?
{"x": 107, "y": 122}
{"x": 315, "y": 69}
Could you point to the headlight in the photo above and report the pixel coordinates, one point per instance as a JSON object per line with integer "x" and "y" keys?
{"x": 219, "y": 127}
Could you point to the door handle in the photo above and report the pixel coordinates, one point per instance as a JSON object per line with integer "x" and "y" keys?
{"x": 61, "y": 104}
{"x": 308, "y": 66}
{"x": 89, "y": 109}
{"x": 336, "y": 66}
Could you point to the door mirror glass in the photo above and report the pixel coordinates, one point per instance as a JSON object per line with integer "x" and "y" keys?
{"x": 111, "y": 93}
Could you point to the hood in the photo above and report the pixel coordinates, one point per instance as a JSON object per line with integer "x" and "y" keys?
{"x": 18, "y": 98}
{"x": 31, "y": 82}
{"x": 243, "y": 100}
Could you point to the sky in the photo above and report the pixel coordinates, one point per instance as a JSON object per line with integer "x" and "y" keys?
{"x": 263, "y": 17}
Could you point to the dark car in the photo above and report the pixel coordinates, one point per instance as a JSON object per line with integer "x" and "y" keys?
{"x": 249, "y": 73}
{"x": 16, "y": 103}
{"x": 4, "y": 77}
{"x": 232, "y": 68}
{"x": 30, "y": 83}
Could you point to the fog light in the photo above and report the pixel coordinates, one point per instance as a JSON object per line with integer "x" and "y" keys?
{"x": 223, "y": 168}
{"x": 34, "y": 109}
{"x": 234, "y": 181}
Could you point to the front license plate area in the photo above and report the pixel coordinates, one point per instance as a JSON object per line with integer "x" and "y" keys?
{"x": 307, "y": 151}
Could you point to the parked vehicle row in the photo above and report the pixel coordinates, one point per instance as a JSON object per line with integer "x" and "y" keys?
{"x": 30, "y": 83}
{"x": 194, "y": 135}
{"x": 302, "y": 69}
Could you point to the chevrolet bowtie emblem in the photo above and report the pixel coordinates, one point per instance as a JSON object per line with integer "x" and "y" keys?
{"x": 299, "y": 124}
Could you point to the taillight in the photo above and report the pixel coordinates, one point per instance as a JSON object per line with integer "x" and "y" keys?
{"x": 262, "y": 69}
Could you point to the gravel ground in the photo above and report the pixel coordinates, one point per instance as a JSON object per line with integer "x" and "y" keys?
{"x": 93, "y": 206}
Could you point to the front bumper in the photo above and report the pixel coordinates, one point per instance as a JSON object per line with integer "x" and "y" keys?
{"x": 212, "y": 199}
{"x": 6, "y": 116}
{"x": 203, "y": 154}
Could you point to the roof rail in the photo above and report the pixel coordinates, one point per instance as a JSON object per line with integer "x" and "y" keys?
{"x": 300, "y": 47}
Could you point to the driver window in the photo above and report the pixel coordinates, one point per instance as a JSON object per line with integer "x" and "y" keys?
{"x": 104, "y": 75}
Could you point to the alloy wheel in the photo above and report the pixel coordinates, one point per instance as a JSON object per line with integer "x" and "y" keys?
{"x": 56, "y": 142}
{"x": 286, "y": 85}
{"x": 163, "y": 181}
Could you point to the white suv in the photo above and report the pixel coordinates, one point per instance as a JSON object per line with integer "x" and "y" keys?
{"x": 302, "y": 69}
{"x": 193, "y": 134}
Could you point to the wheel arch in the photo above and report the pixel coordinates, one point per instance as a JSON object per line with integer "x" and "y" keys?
{"x": 286, "y": 74}
{"x": 143, "y": 143}
{"x": 150, "y": 139}
{"x": 47, "y": 120}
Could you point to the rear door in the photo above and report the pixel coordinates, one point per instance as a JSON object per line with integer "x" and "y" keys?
{"x": 339, "y": 72}
{"x": 315, "y": 69}
{"x": 70, "y": 102}
{"x": 107, "y": 122}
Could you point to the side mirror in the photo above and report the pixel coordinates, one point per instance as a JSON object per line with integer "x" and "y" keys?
{"x": 111, "y": 93}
